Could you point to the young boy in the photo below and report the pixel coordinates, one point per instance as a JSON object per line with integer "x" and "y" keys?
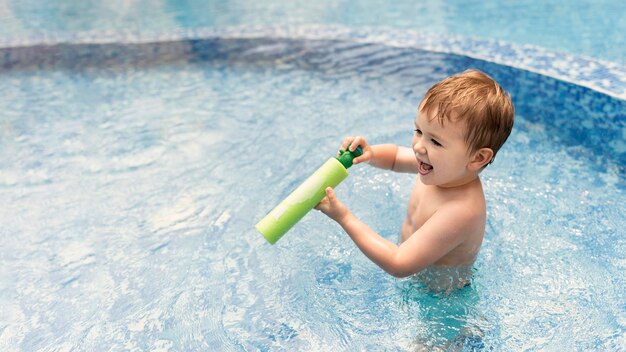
{"x": 461, "y": 124}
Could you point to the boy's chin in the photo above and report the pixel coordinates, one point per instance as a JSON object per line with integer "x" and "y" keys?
{"x": 428, "y": 179}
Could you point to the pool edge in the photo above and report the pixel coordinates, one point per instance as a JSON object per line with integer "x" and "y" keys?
{"x": 602, "y": 76}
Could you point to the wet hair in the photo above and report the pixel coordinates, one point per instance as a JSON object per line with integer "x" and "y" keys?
{"x": 477, "y": 100}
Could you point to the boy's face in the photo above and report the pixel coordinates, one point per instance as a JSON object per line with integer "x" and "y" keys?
{"x": 441, "y": 151}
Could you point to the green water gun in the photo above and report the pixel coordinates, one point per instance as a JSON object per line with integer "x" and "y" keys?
{"x": 304, "y": 198}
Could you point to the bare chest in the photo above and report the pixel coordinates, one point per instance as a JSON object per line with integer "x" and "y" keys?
{"x": 423, "y": 203}
{"x": 426, "y": 200}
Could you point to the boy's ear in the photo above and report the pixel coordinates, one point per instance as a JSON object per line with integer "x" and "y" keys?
{"x": 480, "y": 159}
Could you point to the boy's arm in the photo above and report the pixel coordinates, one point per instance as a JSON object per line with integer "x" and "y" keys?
{"x": 383, "y": 156}
{"x": 393, "y": 157}
{"x": 437, "y": 236}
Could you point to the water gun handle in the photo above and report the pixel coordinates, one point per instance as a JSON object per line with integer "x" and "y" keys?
{"x": 304, "y": 198}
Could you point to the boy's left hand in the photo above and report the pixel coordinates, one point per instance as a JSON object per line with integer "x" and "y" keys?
{"x": 331, "y": 206}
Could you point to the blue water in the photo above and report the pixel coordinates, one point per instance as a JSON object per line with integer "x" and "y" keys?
{"x": 132, "y": 176}
{"x": 134, "y": 186}
{"x": 585, "y": 27}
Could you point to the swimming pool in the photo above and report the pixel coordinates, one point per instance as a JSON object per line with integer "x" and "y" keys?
{"x": 135, "y": 170}
{"x": 593, "y": 28}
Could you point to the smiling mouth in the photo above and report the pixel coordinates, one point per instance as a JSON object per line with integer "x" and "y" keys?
{"x": 423, "y": 168}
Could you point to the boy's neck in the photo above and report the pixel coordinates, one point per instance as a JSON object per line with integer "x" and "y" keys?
{"x": 464, "y": 182}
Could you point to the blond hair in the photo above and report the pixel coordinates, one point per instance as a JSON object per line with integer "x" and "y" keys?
{"x": 478, "y": 101}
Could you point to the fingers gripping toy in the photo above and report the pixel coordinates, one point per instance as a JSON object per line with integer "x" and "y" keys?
{"x": 293, "y": 208}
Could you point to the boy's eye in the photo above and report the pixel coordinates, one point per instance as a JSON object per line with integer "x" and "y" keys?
{"x": 418, "y": 131}
{"x": 436, "y": 143}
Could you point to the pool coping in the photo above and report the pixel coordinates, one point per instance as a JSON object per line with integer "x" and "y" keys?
{"x": 603, "y": 76}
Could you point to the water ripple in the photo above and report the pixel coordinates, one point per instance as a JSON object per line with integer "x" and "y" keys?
{"x": 134, "y": 193}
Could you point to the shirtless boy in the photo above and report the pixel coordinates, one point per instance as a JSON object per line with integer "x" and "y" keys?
{"x": 461, "y": 124}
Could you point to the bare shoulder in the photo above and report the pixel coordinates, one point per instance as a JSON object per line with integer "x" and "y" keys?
{"x": 464, "y": 212}
{"x": 457, "y": 214}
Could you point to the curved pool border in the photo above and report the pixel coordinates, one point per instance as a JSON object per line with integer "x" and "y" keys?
{"x": 605, "y": 77}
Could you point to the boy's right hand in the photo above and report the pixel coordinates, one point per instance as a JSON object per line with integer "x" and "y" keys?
{"x": 352, "y": 143}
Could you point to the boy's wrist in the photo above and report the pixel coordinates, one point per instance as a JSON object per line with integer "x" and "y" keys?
{"x": 344, "y": 218}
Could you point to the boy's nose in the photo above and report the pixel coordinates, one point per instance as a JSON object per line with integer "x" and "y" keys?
{"x": 419, "y": 148}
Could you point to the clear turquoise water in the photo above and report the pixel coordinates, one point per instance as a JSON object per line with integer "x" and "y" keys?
{"x": 134, "y": 188}
{"x": 583, "y": 27}
{"x": 132, "y": 182}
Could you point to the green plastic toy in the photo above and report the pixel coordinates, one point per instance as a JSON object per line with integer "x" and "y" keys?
{"x": 293, "y": 208}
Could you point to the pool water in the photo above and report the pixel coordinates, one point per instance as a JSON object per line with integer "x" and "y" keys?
{"x": 132, "y": 187}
